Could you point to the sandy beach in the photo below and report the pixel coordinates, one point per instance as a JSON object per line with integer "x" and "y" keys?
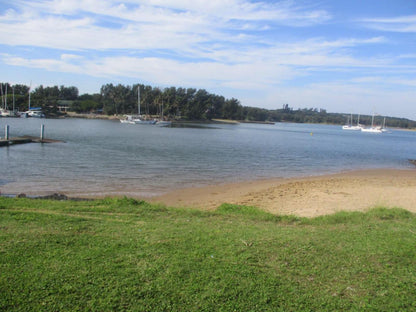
{"x": 309, "y": 196}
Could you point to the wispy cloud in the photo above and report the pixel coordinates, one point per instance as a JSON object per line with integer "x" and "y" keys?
{"x": 404, "y": 24}
{"x": 181, "y": 25}
{"x": 255, "y": 46}
{"x": 194, "y": 40}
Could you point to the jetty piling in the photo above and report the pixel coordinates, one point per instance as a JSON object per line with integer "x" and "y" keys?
{"x": 42, "y": 131}
{"x": 6, "y": 132}
{"x": 26, "y": 138}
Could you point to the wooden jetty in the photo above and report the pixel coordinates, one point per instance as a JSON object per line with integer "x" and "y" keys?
{"x": 26, "y": 139}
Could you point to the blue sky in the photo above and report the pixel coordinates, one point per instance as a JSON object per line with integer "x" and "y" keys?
{"x": 355, "y": 56}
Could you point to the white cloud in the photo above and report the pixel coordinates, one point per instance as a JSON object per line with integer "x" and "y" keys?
{"x": 383, "y": 80}
{"x": 405, "y": 24}
{"x": 254, "y": 46}
{"x": 92, "y": 24}
{"x": 183, "y": 39}
{"x": 55, "y": 65}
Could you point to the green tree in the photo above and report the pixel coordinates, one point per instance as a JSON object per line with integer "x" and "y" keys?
{"x": 232, "y": 109}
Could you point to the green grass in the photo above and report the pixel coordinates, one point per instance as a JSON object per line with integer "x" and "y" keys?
{"x": 123, "y": 254}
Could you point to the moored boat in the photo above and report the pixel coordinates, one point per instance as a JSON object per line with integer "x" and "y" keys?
{"x": 372, "y": 129}
{"x": 349, "y": 125}
{"x": 35, "y": 112}
{"x": 138, "y": 120}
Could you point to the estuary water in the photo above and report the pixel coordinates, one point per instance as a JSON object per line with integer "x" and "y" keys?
{"x": 105, "y": 157}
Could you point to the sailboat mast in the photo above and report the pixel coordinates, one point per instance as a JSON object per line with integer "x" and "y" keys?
{"x": 5, "y": 99}
{"x": 138, "y": 98}
{"x": 2, "y": 97}
{"x": 13, "y": 100}
{"x": 29, "y": 94}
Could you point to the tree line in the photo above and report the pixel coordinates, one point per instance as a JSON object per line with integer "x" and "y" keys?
{"x": 190, "y": 103}
{"x": 45, "y": 97}
{"x": 177, "y": 103}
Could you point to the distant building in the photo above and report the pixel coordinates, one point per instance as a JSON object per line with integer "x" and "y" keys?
{"x": 64, "y": 105}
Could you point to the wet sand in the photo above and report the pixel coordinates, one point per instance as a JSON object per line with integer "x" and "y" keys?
{"x": 309, "y": 196}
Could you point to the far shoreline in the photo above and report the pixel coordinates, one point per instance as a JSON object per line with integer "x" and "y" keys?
{"x": 213, "y": 121}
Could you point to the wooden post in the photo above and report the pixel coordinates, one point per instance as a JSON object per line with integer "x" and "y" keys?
{"x": 6, "y": 132}
{"x": 42, "y": 131}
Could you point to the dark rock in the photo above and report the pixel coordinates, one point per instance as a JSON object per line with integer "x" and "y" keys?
{"x": 55, "y": 196}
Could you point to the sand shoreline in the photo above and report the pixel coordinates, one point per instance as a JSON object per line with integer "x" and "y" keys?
{"x": 307, "y": 196}
{"x": 303, "y": 196}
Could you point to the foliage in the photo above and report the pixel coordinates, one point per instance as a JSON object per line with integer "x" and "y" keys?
{"x": 314, "y": 115}
{"x": 191, "y": 104}
{"x": 20, "y": 95}
{"x": 45, "y": 97}
{"x": 125, "y": 254}
{"x": 178, "y": 103}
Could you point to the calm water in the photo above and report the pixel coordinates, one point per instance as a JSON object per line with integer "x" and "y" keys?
{"x": 107, "y": 156}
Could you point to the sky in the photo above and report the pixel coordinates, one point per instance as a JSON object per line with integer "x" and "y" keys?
{"x": 352, "y": 56}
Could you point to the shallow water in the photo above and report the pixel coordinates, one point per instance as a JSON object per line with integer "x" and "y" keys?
{"x": 107, "y": 157}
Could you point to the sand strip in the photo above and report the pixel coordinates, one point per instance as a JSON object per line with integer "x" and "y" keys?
{"x": 307, "y": 197}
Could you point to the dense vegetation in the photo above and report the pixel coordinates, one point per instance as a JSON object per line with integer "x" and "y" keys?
{"x": 127, "y": 255}
{"x": 178, "y": 103}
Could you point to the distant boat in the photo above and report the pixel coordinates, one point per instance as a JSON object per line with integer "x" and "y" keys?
{"x": 383, "y": 128}
{"x": 164, "y": 123}
{"x": 35, "y": 112}
{"x": 372, "y": 129}
{"x": 161, "y": 122}
{"x": 8, "y": 113}
{"x": 138, "y": 120}
{"x": 4, "y": 111}
{"x": 349, "y": 125}
{"x": 128, "y": 119}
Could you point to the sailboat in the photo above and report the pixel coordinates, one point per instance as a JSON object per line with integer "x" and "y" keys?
{"x": 137, "y": 119}
{"x": 4, "y": 111}
{"x": 383, "y": 128}
{"x": 372, "y": 129}
{"x": 33, "y": 111}
{"x": 349, "y": 125}
{"x": 161, "y": 122}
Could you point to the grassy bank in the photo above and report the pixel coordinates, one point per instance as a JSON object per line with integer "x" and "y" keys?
{"x": 120, "y": 254}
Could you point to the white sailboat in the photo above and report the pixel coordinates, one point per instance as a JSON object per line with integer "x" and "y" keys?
{"x": 128, "y": 119}
{"x": 33, "y": 111}
{"x": 161, "y": 122}
{"x": 372, "y": 129}
{"x": 349, "y": 125}
{"x": 383, "y": 128}
{"x": 131, "y": 119}
{"x": 5, "y": 111}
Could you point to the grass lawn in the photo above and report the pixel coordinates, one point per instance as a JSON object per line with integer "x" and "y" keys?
{"x": 123, "y": 254}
